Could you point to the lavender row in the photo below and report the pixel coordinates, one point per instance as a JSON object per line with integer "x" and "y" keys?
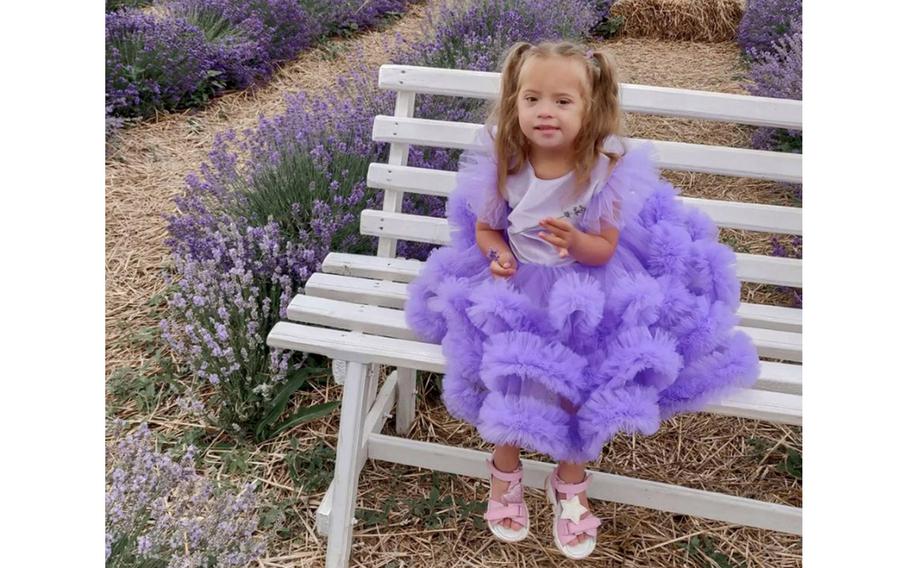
{"x": 186, "y": 51}
{"x": 771, "y": 37}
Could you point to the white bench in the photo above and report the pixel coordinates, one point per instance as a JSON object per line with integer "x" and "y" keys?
{"x": 361, "y": 297}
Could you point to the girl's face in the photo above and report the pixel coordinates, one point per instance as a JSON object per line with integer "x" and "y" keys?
{"x": 551, "y": 102}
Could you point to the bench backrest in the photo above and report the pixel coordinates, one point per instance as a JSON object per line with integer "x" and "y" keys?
{"x": 403, "y": 129}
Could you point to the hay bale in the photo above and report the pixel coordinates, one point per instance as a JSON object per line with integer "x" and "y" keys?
{"x": 692, "y": 20}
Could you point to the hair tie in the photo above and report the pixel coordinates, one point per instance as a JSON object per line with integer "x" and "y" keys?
{"x": 589, "y": 54}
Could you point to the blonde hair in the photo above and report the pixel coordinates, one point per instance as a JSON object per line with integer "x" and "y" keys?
{"x": 603, "y": 117}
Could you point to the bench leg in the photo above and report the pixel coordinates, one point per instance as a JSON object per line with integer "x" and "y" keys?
{"x": 373, "y": 372}
{"x": 407, "y": 399}
{"x": 354, "y": 406}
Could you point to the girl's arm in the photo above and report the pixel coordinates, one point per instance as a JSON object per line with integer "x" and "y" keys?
{"x": 502, "y": 262}
{"x": 489, "y": 238}
{"x": 595, "y": 249}
{"x": 587, "y": 248}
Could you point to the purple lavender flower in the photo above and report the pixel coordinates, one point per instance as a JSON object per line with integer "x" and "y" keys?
{"x": 161, "y": 510}
{"x": 152, "y": 63}
{"x": 766, "y": 21}
{"x": 238, "y": 53}
{"x": 779, "y": 74}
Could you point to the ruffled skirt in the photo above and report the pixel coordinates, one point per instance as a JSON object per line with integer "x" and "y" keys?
{"x": 558, "y": 360}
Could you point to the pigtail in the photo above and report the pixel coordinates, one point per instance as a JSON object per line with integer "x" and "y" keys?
{"x": 506, "y": 145}
{"x": 605, "y": 97}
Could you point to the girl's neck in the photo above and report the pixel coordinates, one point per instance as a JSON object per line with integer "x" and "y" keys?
{"x": 549, "y": 165}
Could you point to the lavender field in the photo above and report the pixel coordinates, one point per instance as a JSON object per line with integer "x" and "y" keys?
{"x": 239, "y": 137}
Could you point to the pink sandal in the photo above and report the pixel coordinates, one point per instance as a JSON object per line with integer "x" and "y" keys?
{"x": 565, "y": 529}
{"x": 512, "y": 506}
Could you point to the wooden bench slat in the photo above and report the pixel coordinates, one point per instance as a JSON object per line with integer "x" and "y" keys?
{"x": 362, "y": 348}
{"x": 760, "y": 405}
{"x": 381, "y": 293}
{"x": 405, "y": 270}
{"x": 353, "y": 313}
{"x": 389, "y": 322}
{"x": 729, "y": 214}
{"x": 420, "y": 228}
{"x": 721, "y": 160}
{"x": 646, "y": 99}
{"x": 606, "y": 486}
{"x": 771, "y": 317}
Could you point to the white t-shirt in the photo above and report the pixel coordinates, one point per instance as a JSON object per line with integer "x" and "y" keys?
{"x": 532, "y": 199}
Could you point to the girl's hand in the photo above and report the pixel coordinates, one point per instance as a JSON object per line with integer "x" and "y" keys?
{"x": 503, "y": 264}
{"x": 563, "y": 235}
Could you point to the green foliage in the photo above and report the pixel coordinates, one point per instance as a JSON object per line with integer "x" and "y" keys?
{"x": 274, "y": 517}
{"x": 293, "y": 176}
{"x": 268, "y": 428}
{"x": 111, "y": 5}
{"x": 792, "y": 464}
{"x": 703, "y": 551}
{"x": 236, "y": 461}
{"x": 311, "y": 470}
{"x": 608, "y": 27}
{"x": 155, "y": 377}
{"x": 435, "y": 510}
{"x": 789, "y": 460}
{"x": 369, "y": 518}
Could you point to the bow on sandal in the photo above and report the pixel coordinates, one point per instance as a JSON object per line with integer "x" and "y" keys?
{"x": 510, "y": 506}
{"x": 567, "y": 513}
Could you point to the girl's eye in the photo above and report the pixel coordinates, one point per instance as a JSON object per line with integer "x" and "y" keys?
{"x": 561, "y": 101}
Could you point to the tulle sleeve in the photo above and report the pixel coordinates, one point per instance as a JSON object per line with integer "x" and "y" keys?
{"x": 621, "y": 195}
{"x": 475, "y": 182}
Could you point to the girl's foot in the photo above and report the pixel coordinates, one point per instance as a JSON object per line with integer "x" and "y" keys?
{"x": 583, "y": 498}
{"x": 507, "y": 514}
{"x": 574, "y": 526}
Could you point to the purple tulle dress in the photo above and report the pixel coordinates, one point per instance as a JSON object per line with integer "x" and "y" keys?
{"x": 559, "y": 359}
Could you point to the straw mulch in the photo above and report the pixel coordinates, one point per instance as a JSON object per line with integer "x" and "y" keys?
{"x": 700, "y": 450}
{"x": 693, "y": 20}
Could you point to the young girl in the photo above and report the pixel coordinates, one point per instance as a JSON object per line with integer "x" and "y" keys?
{"x": 578, "y": 298}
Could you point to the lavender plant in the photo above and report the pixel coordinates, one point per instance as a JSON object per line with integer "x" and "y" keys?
{"x": 237, "y": 53}
{"x": 222, "y": 307}
{"x": 286, "y": 27}
{"x": 766, "y": 21}
{"x": 152, "y": 63}
{"x": 160, "y": 512}
{"x": 343, "y": 17}
{"x": 112, "y": 5}
{"x": 779, "y": 73}
{"x": 111, "y": 123}
{"x": 200, "y": 47}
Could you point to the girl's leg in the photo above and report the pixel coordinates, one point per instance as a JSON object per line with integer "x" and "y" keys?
{"x": 505, "y": 458}
{"x": 574, "y": 473}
